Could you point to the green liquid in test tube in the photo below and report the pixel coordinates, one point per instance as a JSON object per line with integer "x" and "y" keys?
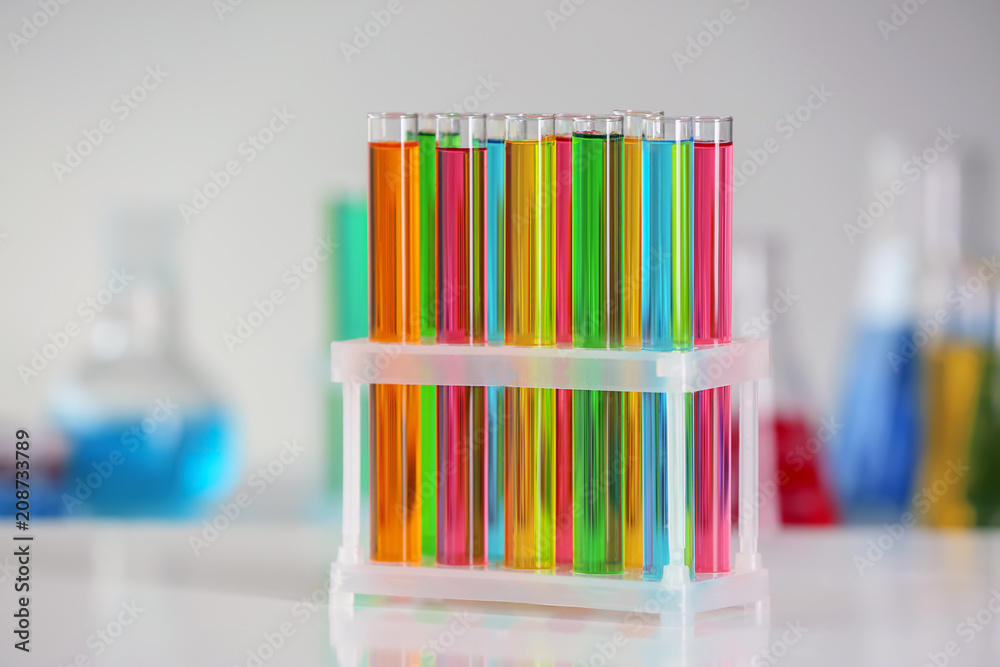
{"x": 598, "y": 524}
{"x": 428, "y": 313}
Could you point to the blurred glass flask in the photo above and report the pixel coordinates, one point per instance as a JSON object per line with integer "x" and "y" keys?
{"x": 147, "y": 436}
{"x": 984, "y": 492}
{"x": 795, "y": 471}
{"x": 955, "y": 322}
{"x": 875, "y": 453}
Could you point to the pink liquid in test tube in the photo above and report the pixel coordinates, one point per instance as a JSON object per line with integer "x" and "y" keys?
{"x": 713, "y": 176}
{"x": 564, "y": 335}
{"x": 461, "y": 472}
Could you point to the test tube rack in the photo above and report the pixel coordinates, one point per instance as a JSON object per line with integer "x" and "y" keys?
{"x": 677, "y": 595}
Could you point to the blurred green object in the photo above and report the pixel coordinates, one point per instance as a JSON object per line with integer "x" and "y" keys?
{"x": 984, "y": 492}
{"x": 347, "y": 311}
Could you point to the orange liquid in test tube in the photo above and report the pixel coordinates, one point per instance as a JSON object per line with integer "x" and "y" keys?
{"x": 394, "y": 317}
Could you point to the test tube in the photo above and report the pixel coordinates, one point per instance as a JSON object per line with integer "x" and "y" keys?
{"x": 496, "y": 134}
{"x": 564, "y": 228}
{"x": 530, "y": 421}
{"x": 597, "y": 323}
{"x": 632, "y": 326}
{"x": 394, "y": 317}
{"x": 564, "y": 334}
{"x": 461, "y": 203}
{"x": 713, "y": 180}
{"x": 667, "y": 223}
{"x": 427, "y": 141}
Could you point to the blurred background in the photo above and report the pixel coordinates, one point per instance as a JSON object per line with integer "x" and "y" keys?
{"x": 182, "y": 230}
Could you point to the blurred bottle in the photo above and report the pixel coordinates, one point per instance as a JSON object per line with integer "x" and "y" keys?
{"x": 953, "y": 330}
{"x": 982, "y": 235}
{"x": 347, "y": 310}
{"x": 984, "y": 454}
{"x": 146, "y": 434}
{"x": 798, "y": 473}
{"x": 875, "y": 452}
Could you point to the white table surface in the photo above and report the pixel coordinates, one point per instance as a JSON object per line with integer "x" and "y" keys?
{"x": 218, "y": 606}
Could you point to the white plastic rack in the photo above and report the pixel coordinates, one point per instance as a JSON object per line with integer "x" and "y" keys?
{"x": 741, "y": 364}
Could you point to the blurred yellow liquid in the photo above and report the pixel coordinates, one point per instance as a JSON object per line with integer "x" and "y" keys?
{"x": 952, "y": 377}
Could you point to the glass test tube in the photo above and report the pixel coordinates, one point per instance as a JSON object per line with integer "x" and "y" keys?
{"x": 461, "y": 172}
{"x": 496, "y": 134}
{"x": 564, "y": 334}
{"x": 667, "y": 222}
{"x": 427, "y": 141}
{"x": 713, "y": 179}
{"x": 632, "y": 327}
{"x": 394, "y": 317}
{"x": 530, "y": 419}
{"x": 597, "y": 323}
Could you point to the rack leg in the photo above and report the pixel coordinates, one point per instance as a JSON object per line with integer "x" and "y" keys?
{"x": 350, "y": 549}
{"x": 748, "y": 560}
{"x": 676, "y": 573}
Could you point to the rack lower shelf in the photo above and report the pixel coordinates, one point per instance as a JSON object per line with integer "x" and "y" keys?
{"x": 561, "y": 589}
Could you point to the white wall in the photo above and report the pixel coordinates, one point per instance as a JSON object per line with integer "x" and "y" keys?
{"x": 224, "y": 77}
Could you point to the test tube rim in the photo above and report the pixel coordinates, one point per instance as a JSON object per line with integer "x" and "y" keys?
{"x": 718, "y": 122}
{"x": 608, "y": 119}
{"x": 408, "y": 126}
{"x": 545, "y": 123}
{"x": 689, "y": 120}
{"x": 634, "y": 115}
{"x": 563, "y": 117}
{"x": 459, "y": 114}
{"x": 428, "y": 115}
{"x": 477, "y": 129}
{"x": 391, "y": 114}
{"x": 494, "y": 118}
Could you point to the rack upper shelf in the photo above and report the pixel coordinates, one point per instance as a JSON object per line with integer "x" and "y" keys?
{"x": 364, "y": 362}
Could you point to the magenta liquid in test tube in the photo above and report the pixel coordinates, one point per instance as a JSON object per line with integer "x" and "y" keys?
{"x": 713, "y": 242}
{"x": 461, "y": 473}
{"x": 564, "y": 334}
